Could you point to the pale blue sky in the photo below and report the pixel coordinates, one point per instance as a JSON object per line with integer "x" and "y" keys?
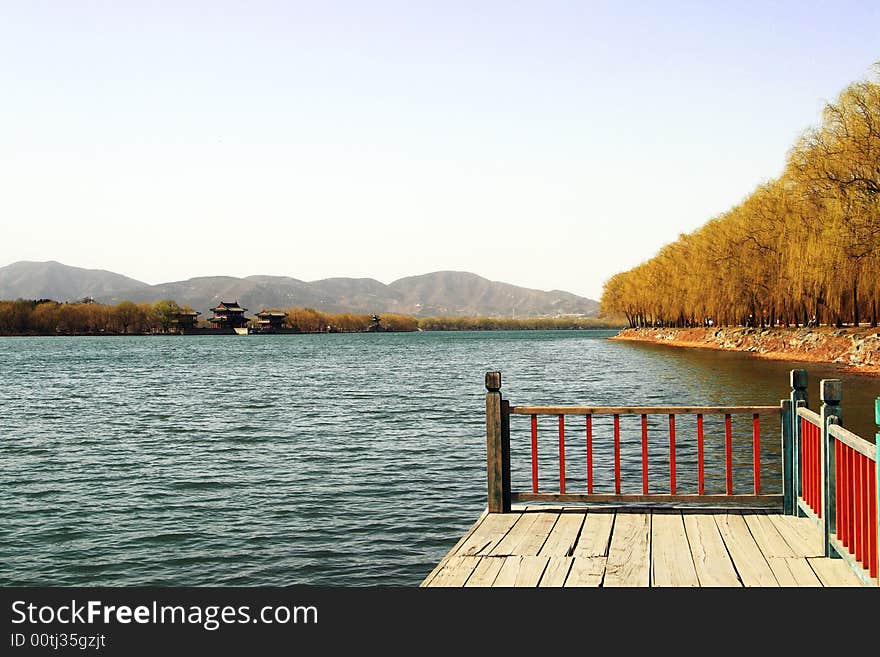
{"x": 547, "y": 144}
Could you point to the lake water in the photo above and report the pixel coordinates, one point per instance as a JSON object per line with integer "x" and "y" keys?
{"x": 340, "y": 459}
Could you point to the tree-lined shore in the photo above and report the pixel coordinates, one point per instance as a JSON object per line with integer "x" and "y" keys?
{"x": 48, "y": 317}
{"x": 802, "y": 250}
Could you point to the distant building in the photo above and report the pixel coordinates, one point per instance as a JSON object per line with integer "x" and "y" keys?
{"x": 228, "y": 315}
{"x": 375, "y": 324}
{"x": 270, "y": 320}
{"x": 185, "y": 320}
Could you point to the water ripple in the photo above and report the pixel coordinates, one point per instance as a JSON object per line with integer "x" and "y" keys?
{"x": 320, "y": 459}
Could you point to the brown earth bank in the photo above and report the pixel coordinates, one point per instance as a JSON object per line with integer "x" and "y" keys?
{"x": 856, "y": 349}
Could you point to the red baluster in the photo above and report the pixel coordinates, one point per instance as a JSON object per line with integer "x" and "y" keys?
{"x": 644, "y": 454}
{"x": 562, "y": 454}
{"x": 617, "y": 454}
{"x": 672, "y": 454}
{"x": 843, "y": 501}
{"x": 860, "y": 508}
{"x": 700, "y": 482}
{"x": 872, "y": 514}
{"x": 728, "y": 453}
{"x": 866, "y": 560}
{"x": 838, "y": 486}
{"x": 756, "y": 451}
{"x": 590, "y": 454}
{"x": 534, "y": 453}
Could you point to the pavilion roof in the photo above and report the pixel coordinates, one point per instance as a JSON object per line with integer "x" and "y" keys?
{"x": 229, "y": 306}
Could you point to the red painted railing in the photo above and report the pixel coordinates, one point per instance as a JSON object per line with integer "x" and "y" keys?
{"x": 855, "y": 486}
{"x": 828, "y": 473}
{"x": 674, "y": 436}
{"x": 811, "y": 460}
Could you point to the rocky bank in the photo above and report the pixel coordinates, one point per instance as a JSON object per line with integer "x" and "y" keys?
{"x": 857, "y": 349}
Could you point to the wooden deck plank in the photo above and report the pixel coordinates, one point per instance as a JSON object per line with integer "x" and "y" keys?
{"x": 553, "y": 548}
{"x": 833, "y": 572}
{"x": 711, "y": 560}
{"x": 456, "y": 571}
{"x": 793, "y": 571}
{"x": 458, "y": 544}
{"x": 493, "y": 529}
{"x": 485, "y": 572}
{"x": 750, "y": 564}
{"x": 556, "y": 571}
{"x": 801, "y": 534}
{"x": 531, "y": 537}
{"x": 518, "y": 570}
{"x": 516, "y": 535}
{"x": 767, "y": 536}
{"x": 595, "y": 535}
{"x": 538, "y": 534}
{"x": 586, "y": 571}
{"x": 671, "y": 560}
{"x": 531, "y": 568}
{"x": 563, "y": 536}
{"x": 629, "y": 555}
{"x": 507, "y": 573}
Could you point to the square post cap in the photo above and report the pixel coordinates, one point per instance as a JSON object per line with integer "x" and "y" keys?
{"x": 799, "y": 379}
{"x": 493, "y": 381}
{"x": 831, "y": 391}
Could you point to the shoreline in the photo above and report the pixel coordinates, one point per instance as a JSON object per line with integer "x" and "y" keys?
{"x": 856, "y": 350}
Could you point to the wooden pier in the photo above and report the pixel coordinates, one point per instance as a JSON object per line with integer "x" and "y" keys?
{"x": 821, "y": 531}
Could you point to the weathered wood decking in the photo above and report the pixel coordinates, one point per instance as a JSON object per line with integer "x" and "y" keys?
{"x": 555, "y": 546}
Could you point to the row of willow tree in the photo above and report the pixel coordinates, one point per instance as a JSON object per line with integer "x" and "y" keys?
{"x": 802, "y": 249}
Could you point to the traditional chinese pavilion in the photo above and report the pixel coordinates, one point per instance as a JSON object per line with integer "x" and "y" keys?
{"x": 185, "y": 320}
{"x": 270, "y": 320}
{"x": 228, "y": 315}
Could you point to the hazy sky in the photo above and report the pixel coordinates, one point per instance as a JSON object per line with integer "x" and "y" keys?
{"x": 546, "y": 144}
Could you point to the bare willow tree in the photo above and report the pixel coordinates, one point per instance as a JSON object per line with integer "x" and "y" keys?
{"x": 800, "y": 249}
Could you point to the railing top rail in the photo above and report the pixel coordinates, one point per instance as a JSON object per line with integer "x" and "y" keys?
{"x": 850, "y": 439}
{"x": 643, "y": 410}
{"x": 809, "y": 415}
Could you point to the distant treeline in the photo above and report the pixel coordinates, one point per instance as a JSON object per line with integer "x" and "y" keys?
{"x": 504, "y": 324}
{"x": 308, "y": 320}
{"x": 801, "y": 249}
{"x": 48, "y": 317}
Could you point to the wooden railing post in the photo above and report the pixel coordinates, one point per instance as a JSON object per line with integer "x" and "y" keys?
{"x": 830, "y": 392}
{"x": 497, "y": 446}
{"x": 798, "y": 380}
{"x": 789, "y": 495}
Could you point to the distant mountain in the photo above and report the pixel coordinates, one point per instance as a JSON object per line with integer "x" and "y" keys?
{"x": 460, "y": 293}
{"x": 53, "y": 280}
{"x": 449, "y": 293}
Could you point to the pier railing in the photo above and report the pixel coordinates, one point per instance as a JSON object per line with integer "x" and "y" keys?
{"x": 499, "y": 413}
{"x": 828, "y": 473}
{"x": 837, "y": 477}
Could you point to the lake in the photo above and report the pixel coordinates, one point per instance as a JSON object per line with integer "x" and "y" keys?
{"x": 333, "y": 459}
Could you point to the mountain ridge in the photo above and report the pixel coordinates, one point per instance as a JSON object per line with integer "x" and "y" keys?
{"x": 442, "y": 293}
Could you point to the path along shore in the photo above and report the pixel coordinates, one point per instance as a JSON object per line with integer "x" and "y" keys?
{"x": 856, "y": 349}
